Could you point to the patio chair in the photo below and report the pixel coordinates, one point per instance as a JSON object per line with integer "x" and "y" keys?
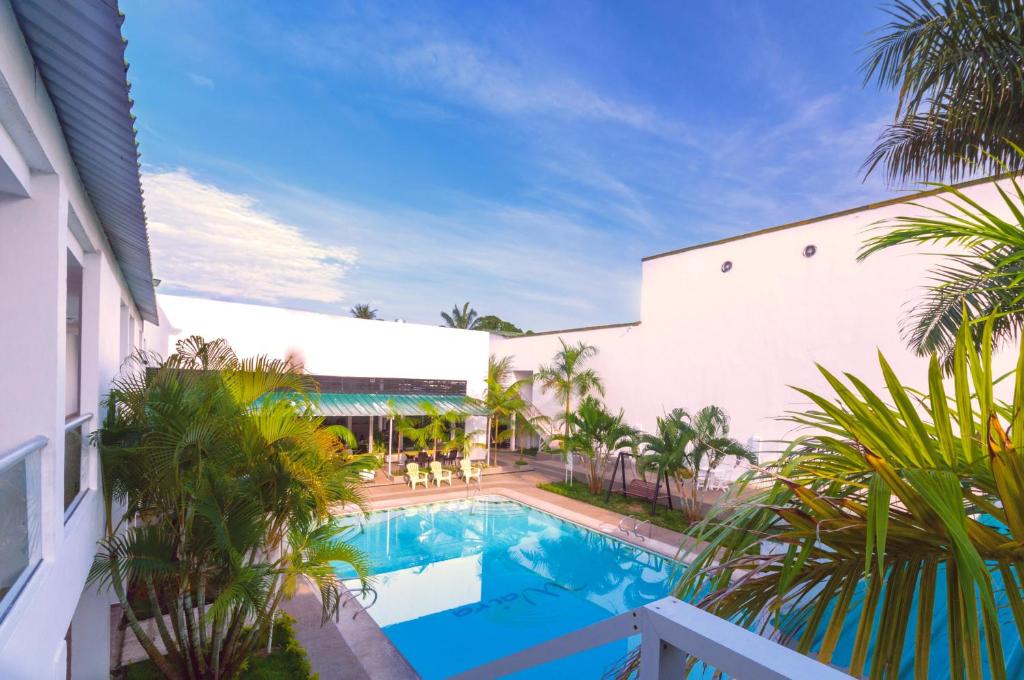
{"x": 440, "y": 474}
{"x": 413, "y": 474}
{"x": 468, "y": 471}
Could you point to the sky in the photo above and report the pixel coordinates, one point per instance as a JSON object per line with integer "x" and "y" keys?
{"x": 522, "y": 156}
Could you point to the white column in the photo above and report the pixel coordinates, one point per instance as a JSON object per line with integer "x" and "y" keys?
{"x": 391, "y": 441}
{"x": 33, "y": 281}
{"x": 370, "y": 446}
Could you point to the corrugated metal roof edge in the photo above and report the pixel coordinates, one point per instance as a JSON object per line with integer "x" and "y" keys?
{"x": 95, "y": 30}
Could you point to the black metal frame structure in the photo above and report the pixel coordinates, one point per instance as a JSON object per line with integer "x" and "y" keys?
{"x": 620, "y": 463}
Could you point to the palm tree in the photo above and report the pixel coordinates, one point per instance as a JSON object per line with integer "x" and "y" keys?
{"x": 958, "y": 66}
{"x": 503, "y": 399}
{"x": 666, "y": 450}
{"x": 710, "y": 444}
{"x": 461, "y": 318}
{"x": 434, "y": 430}
{"x": 234, "y": 487}
{"x": 363, "y": 312}
{"x": 986, "y": 280}
{"x": 893, "y": 514}
{"x": 595, "y": 434}
{"x": 567, "y": 377}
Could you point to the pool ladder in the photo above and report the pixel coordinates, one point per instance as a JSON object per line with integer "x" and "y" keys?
{"x": 637, "y": 524}
{"x": 355, "y": 595}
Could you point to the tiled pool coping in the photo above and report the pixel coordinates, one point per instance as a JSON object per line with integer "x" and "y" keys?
{"x": 595, "y": 519}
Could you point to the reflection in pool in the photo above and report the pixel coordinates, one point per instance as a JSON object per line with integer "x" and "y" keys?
{"x": 460, "y": 583}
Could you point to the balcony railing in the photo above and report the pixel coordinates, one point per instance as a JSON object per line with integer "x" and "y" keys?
{"x": 672, "y": 633}
{"x": 20, "y": 518}
{"x": 76, "y": 462}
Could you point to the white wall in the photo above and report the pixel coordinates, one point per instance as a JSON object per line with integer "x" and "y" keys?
{"x": 329, "y": 345}
{"x": 44, "y": 212}
{"x": 740, "y": 339}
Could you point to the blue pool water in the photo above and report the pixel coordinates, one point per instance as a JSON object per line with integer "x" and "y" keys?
{"x": 461, "y": 583}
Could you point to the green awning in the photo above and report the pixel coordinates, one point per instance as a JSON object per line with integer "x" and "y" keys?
{"x": 334, "y": 404}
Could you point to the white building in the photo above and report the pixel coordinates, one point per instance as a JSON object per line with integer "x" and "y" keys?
{"x": 75, "y": 290}
{"x": 737, "y": 322}
{"x": 364, "y": 362}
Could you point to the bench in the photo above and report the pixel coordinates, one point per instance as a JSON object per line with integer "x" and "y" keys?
{"x": 649, "y": 491}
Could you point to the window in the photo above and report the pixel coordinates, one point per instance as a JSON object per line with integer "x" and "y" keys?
{"x": 75, "y": 444}
{"x": 20, "y": 510}
{"x": 73, "y": 333}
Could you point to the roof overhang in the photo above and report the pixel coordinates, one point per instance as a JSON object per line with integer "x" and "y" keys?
{"x": 332, "y": 404}
{"x": 79, "y": 51}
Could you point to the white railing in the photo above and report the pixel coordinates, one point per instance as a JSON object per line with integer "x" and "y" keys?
{"x": 20, "y": 518}
{"x": 671, "y": 632}
{"x": 76, "y": 462}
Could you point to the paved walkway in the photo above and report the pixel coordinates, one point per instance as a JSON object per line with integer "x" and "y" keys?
{"x": 328, "y": 652}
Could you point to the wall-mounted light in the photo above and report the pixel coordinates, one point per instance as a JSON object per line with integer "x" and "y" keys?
{"x": 810, "y": 250}
{"x": 726, "y": 266}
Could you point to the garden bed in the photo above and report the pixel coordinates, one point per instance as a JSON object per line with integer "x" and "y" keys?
{"x": 286, "y": 661}
{"x": 663, "y": 517}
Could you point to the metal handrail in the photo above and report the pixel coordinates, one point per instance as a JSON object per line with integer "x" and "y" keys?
{"x": 639, "y": 523}
{"x": 78, "y": 420}
{"x": 9, "y": 458}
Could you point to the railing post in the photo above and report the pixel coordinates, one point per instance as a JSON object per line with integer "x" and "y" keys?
{"x": 658, "y": 659}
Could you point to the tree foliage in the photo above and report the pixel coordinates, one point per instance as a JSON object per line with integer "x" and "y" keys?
{"x": 886, "y": 510}
{"x": 496, "y": 324}
{"x": 568, "y": 378}
{"x": 958, "y": 68}
{"x": 465, "y": 318}
{"x": 982, "y": 274}
{"x": 227, "y": 492}
{"x": 363, "y": 312}
{"x": 688, "y": 448}
{"x": 595, "y": 434}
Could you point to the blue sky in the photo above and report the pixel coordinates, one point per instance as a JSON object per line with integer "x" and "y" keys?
{"x": 523, "y": 156}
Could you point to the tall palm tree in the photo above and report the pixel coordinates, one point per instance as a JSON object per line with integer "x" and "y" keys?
{"x": 363, "y": 312}
{"x": 958, "y": 66}
{"x": 568, "y": 378}
{"x": 985, "y": 279}
{"x": 503, "y": 399}
{"x": 900, "y": 518}
{"x": 235, "y": 488}
{"x": 461, "y": 318}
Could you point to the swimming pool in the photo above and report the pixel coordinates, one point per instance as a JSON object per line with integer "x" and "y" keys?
{"x": 461, "y": 583}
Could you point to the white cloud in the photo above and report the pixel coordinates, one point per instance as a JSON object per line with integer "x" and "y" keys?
{"x": 509, "y": 83}
{"x": 201, "y": 81}
{"x": 505, "y": 86}
{"x": 211, "y": 242}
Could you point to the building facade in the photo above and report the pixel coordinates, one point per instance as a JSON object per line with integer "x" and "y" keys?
{"x": 739, "y": 322}
{"x": 75, "y": 293}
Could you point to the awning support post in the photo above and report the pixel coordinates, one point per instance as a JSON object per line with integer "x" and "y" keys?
{"x": 391, "y": 438}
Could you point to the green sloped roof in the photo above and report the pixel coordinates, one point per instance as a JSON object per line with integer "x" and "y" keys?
{"x": 336, "y": 404}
